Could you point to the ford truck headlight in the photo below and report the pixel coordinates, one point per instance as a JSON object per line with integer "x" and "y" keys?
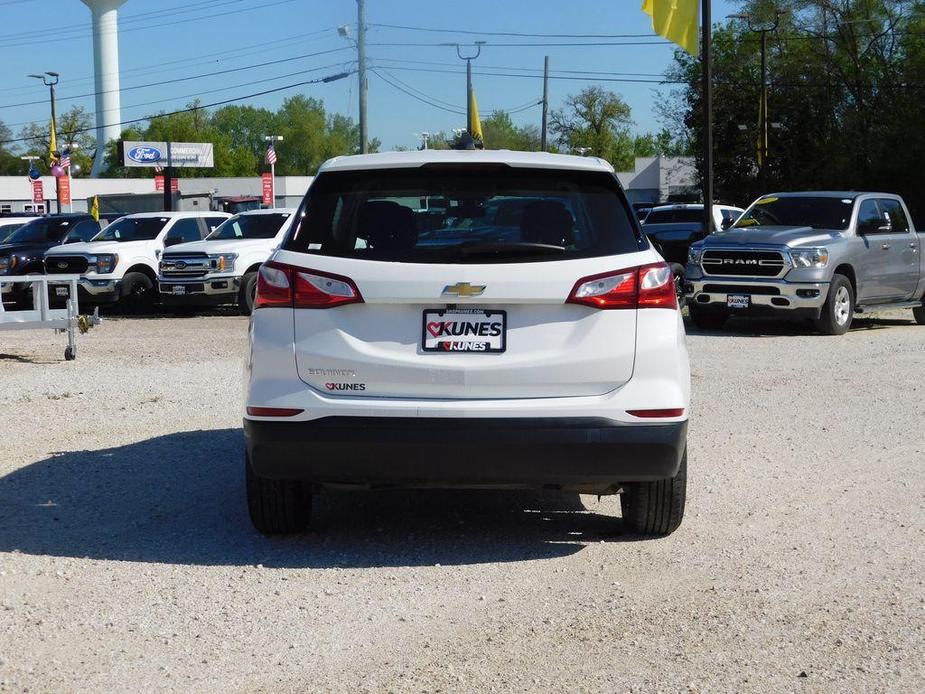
{"x": 809, "y": 257}
{"x": 223, "y": 262}
{"x": 105, "y": 263}
{"x": 693, "y": 254}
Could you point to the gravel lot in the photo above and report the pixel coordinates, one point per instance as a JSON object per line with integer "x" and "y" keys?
{"x": 127, "y": 562}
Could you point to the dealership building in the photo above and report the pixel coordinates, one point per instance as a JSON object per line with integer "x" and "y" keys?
{"x": 653, "y": 179}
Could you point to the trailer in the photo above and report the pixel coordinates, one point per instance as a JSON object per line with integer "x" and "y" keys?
{"x": 43, "y": 316}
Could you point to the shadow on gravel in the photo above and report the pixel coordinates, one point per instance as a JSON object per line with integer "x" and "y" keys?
{"x": 179, "y": 499}
{"x": 755, "y": 327}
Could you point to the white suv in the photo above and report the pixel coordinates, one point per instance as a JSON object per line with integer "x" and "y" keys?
{"x": 120, "y": 263}
{"x": 479, "y": 319}
{"x": 222, "y": 268}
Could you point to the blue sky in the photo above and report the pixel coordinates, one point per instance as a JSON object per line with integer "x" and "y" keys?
{"x": 169, "y": 39}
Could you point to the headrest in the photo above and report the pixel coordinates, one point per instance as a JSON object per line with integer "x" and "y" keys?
{"x": 387, "y": 226}
{"x": 547, "y": 221}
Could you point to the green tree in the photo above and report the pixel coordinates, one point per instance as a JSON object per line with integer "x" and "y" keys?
{"x": 598, "y": 121}
{"x": 9, "y": 162}
{"x": 499, "y": 132}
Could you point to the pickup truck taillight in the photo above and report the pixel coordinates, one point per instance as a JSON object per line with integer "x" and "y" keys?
{"x": 282, "y": 285}
{"x": 646, "y": 286}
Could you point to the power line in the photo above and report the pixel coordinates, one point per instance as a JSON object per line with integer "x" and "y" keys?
{"x": 415, "y": 96}
{"x": 512, "y": 33}
{"x": 525, "y": 69}
{"x": 654, "y": 42}
{"x": 187, "y": 78}
{"x": 199, "y": 107}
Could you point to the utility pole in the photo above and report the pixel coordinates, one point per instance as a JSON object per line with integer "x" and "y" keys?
{"x": 706, "y": 63}
{"x": 361, "y": 72}
{"x": 545, "y": 103}
{"x": 50, "y": 83}
{"x": 764, "y": 30}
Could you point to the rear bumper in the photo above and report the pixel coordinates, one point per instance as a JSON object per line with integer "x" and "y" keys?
{"x": 586, "y": 454}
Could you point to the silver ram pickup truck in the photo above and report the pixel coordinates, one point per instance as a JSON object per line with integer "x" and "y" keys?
{"x": 819, "y": 255}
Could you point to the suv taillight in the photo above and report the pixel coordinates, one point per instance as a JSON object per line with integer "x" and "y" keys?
{"x": 279, "y": 284}
{"x": 647, "y": 286}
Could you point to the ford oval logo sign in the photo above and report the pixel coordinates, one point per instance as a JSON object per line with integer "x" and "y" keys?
{"x": 144, "y": 155}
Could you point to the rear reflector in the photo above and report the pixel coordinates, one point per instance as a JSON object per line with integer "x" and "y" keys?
{"x": 647, "y": 286}
{"x": 273, "y": 411}
{"x": 284, "y": 285}
{"x": 655, "y": 414}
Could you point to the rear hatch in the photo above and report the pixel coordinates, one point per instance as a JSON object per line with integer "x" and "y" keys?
{"x": 453, "y": 283}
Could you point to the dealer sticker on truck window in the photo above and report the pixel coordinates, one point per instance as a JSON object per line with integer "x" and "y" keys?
{"x": 464, "y": 330}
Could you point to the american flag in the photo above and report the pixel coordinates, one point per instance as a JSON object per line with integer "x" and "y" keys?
{"x": 271, "y": 154}
{"x": 65, "y": 159}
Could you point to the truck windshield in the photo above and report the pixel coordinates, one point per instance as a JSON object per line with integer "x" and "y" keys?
{"x": 798, "y": 211}
{"x": 41, "y": 230}
{"x": 133, "y": 229}
{"x": 249, "y": 226}
{"x": 486, "y": 214}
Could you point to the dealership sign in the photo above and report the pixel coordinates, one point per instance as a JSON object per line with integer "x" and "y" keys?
{"x": 140, "y": 154}
{"x": 38, "y": 193}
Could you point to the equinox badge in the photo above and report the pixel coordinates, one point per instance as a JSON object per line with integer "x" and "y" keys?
{"x": 464, "y": 289}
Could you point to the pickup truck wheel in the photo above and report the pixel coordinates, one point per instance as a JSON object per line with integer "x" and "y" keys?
{"x": 838, "y": 309}
{"x": 277, "y": 507}
{"x": 655, "y": 508}
{"x": 137, "y": 292}
{"x": 706, "y": 319}
{"x": 247, "y": 294}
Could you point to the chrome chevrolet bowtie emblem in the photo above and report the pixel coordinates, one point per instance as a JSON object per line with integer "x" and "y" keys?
{"x": 464, "y": 289}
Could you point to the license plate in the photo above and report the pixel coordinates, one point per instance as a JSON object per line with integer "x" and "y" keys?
{"x": 464, "y": 330}
{"x": 179, "y": 289}
{"x": 61, "y": 291}
{"x": 738, "y": 300}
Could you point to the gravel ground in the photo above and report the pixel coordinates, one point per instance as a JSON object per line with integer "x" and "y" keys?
{"x": 127, "y": 562}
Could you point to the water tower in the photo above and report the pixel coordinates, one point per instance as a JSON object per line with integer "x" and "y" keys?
{"x": 106, "y": 68}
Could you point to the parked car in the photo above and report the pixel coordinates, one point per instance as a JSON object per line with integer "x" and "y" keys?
{"x": 818, "y": 255}
{"x": 10, "y": 224}
{"x": 222, "y": 268}
{"x": 23, "y": 251}
{"x": 553, "y": 358}
{"x": 120, "y": 263}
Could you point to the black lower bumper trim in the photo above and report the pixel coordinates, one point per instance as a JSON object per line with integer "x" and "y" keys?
{"x": 591, "y": 455}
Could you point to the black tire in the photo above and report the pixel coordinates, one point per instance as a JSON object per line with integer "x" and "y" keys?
{"x": 655, "y": 508}
{"x": 248, "y": 291}
{"x": 276, "y": 507}
{"x": 919, "y": 313}
{"x": 69, "y": 354}
{"x": 677, "y": 274}
{"x": 838, "y": 309}
{"x": 706, "y": 319}
{"x": 138, "y": 293}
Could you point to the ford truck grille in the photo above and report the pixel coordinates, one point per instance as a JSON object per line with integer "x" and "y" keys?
{"x": 65, "y": 265}
{"x": 185, "y": 265}
{"x": 733, "y": 263}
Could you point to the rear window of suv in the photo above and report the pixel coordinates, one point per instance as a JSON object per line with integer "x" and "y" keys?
{"x": 464, "y": 215}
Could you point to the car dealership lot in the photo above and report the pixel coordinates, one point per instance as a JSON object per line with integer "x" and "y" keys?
{"x": 126, "y": 555}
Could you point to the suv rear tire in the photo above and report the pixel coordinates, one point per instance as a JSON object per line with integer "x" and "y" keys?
{"x": 706, "y": 319}
{"x": 655, "y": 508}
{"x": 277, "y": 507}
{"x": 838, "y": 309}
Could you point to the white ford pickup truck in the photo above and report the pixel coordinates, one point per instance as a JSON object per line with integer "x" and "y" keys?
{"x": 222, "y": 269}
{"x": 119, "y": 264}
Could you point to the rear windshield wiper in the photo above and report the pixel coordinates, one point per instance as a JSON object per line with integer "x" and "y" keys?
{"x": 506, "y": 248}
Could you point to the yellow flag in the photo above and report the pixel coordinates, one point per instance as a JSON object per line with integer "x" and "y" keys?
{"x": 676, "y": 20}
{"x": 475, "y": 123}
{"x": 95, "y": 208}
{"x": 52, "y": 143}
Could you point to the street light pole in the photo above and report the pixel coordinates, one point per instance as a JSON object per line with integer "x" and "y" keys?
{"x": 50, "y": 79}
{"x": 763, "y": 30}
